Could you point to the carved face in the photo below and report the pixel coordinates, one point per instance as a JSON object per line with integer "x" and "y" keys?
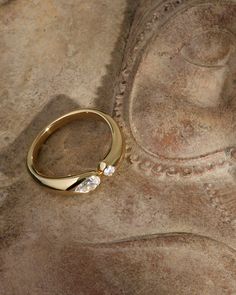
{"x": 185, "y": 86}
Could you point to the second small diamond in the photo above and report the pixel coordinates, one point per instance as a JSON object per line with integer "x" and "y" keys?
{"x": 109, "y": 170}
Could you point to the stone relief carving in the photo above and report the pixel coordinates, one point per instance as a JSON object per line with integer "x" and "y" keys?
{"x": 166, "y": 223}
{"x": 179, "y": 78}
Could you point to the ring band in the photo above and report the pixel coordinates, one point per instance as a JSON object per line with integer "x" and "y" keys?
{"x": 85, "y": 182}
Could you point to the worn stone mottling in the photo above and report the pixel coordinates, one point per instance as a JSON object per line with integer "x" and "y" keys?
{"x": 165, "y": 223}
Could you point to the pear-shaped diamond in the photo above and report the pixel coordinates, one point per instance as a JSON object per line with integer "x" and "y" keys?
{"x": 88, "y": 185}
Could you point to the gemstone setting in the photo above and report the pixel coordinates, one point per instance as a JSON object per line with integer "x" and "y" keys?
{"x": 109, "y": 170}
{"x": 88, "y": 185}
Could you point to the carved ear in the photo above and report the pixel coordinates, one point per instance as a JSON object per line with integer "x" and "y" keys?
{"x": 167, "y": 264}
{"x": 172, "y": 94}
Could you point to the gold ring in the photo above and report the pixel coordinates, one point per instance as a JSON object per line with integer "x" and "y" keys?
{"x": 85, "y": 182}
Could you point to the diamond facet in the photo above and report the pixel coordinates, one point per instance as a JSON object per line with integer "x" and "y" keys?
{"x": 109, "y": 170}
{"x": 88, "y": 185}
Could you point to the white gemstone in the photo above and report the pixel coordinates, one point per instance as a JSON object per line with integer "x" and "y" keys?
{"x": 109, "y": 170}
{"x": 88, "y": 185}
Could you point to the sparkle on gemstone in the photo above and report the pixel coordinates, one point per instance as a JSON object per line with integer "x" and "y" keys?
{"x": 109, "y": 170}
{"x": 88, "y": 185}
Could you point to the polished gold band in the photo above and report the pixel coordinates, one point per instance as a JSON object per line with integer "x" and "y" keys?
{"x": 85, "y": 182}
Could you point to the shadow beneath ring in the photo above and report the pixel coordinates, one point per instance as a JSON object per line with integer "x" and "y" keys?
{"x": 13, "y": 157}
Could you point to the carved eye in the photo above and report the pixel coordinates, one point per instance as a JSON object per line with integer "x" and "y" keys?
{"x": 210, "y": 48}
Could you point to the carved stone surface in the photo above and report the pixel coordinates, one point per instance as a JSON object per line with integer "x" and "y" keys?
{"x": 166, "y": 222}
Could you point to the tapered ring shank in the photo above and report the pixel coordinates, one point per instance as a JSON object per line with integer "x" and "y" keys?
{"x": 112, "y": 158}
